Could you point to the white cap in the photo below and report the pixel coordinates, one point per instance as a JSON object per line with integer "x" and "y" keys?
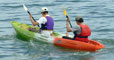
{"x": 44, "y": 9}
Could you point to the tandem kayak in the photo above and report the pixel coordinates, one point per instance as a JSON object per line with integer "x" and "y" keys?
{"x": 22, "y": 31}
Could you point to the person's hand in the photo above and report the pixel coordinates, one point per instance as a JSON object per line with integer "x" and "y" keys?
{"x": 31, "y": 16}
{"x": 68, "y": 19}
{"x": 33, "y": 26}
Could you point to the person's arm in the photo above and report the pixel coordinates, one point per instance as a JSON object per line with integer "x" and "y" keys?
{"x": 33, "y": 22}
{"x": 67, "y": 25}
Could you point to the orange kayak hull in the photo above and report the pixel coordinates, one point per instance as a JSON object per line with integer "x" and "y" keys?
{"x": 92, "y": 45}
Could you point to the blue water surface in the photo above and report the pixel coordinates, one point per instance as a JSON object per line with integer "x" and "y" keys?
{"x": 98, "y": 14}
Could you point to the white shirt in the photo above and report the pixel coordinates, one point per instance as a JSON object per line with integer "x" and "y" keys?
{"x": 42, "y": 20}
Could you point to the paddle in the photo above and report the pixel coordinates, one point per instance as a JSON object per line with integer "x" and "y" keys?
{"x": 25, "y": 8}
{"x": 65, "y": 13}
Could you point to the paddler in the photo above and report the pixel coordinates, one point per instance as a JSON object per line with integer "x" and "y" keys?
{"x": 46, "y": 22}
{"x": 81, "y": 31}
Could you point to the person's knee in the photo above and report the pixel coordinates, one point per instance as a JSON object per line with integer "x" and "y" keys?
{"x": 34, "y": 30}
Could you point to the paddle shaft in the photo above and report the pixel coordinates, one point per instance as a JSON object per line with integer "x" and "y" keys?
{"x": 69, "y": 21}
{"x": 32, "y": 17}
{"x": 25, "y": 8}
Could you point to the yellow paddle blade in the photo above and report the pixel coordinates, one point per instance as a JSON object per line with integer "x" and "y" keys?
{"x": 65, "y": 13}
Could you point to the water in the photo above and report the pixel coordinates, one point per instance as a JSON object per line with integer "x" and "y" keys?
{"x": 98, "y": 14}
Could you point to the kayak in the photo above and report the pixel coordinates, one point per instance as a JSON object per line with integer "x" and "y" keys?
{"x": 22, "y": 31}
{"x": 92, "y": 45}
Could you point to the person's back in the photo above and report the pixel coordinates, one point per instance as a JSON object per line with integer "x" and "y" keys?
{"x": 85, "y": 32}
{"x": 49, "y": 24}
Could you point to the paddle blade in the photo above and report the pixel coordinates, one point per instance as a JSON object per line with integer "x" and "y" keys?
{"x": 65, "y": 13}
{"x": 25, "y": 8}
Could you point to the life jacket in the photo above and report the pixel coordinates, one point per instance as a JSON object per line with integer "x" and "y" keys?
{"x": 85, "y": 32}
{"x": 49, "y": 24}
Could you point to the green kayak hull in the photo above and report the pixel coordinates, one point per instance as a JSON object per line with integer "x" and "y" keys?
{"x": 23, "y": 32}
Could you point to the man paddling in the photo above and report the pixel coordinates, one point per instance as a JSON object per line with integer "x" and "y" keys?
{"x": 46, "y": 22}
{"x": 81, "y": 31}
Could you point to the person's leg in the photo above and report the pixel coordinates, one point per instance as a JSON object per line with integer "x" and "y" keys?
{"x": 34, "y": 30}
{"x": 47, "y": 33}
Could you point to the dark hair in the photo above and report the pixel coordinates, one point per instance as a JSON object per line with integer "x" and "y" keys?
{"x": 45, "y": 12}
{"x": 80, "y": 20}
